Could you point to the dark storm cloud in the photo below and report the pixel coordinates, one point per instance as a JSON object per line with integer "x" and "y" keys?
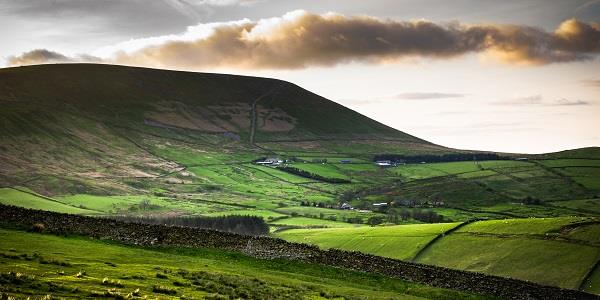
{"x": 301, "y": 39}
{"x": 122, "y": 17}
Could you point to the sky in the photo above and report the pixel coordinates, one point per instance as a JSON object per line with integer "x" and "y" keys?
{"x": 511, "y": 76}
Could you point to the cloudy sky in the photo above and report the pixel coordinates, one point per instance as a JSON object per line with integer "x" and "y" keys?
{"x": 518, "y": 76}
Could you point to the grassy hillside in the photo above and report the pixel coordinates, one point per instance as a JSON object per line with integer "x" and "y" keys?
{"x": 106, "y": 137}
{"x": 38, "y": 265}
{"x": 202, "y": 102}
{"x": 111, "y": 140}
{"x": 550, "y": 251}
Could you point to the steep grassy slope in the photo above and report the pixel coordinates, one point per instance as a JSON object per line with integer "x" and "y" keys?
{"x": 86, "y": 128}
{"x": 209, "y": 103}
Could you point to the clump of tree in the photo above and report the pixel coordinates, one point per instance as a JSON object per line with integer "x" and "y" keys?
{"x": 397, "y": 216}
{"x": 145, "y": 204}
{"x": 248, "y": 225}
{"x": 318, "y": 204}
{"x": 430, "y": 158}
{"x": 375, "y": 220}
{"x": 531, "y": 201}
{"x": 354, "y": 220}
{"x": 306, "y": 174}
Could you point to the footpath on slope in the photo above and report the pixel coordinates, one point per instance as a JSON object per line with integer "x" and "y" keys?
{"x": 271, "y": 248}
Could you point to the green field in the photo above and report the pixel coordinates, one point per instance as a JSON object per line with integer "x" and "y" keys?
{"x": 40, "y": 265}
{"x": 546, "y": 262}
{"x": 559, "y": 163}
{"x": 9, "y": 196}
{"x": 531, "y": 249}
{"x": 539, "y": 226}
{"x": 551, "y": 251}
{"x": 311, "y": 222}
{"x": 325, "y": 170}
{"x": 401, "y": 242}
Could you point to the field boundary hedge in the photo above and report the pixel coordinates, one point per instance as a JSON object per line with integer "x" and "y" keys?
{"x": 272, "y": 248}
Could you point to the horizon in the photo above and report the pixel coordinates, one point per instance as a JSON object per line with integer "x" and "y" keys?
{"x": 529, "y": 87}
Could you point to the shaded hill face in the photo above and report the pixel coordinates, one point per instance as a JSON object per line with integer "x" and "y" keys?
{"x": 76, "y": 128}
{"x": 207, "y": 103}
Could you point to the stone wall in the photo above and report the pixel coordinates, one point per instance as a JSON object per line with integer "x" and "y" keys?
{"x": 269, "y": 248}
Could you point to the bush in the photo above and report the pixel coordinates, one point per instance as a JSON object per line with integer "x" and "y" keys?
{"x": 163, "y": 290}
{"x": 38, "y": 227}
{"x": 375, "y": 220}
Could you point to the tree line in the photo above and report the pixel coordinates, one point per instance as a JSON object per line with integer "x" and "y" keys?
{"x": 248, "y": 225}
{"x": 430, "y": 158}
{"x": 398, "y": 216}
{"x": 306, "y": 174}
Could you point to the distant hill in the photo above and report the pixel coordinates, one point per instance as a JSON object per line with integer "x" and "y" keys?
{"x": 104, "y": 129}
{"x": 583, "y": 153}
{"x": 201, "y": 102}
{"x": 90, "y": 120}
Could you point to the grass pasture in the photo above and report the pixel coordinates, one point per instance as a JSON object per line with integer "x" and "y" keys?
{"x": 311, "y": 222}
{"x": 68, "y": 267}
{"x": 401, "y": 241}
{"x": 9, "y": 196}
{"x": 561, "y": 163}
{"x": 538, "y": 226}
{"x": 535, "y": 249}
{"x": 325, "y": 170}
{"x": 591, "y": 205}
{"x": 550, "y": 251}
{"x": 325, "y": 213}
{"x": 546, "y": 262}
{"x": 104, "y": 204}
{"x": 414, "y": 172}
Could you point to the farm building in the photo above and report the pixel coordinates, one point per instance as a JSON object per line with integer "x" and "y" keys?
{"x": 345, "y": 205}
{"x": 270, "y": 161}
{"x": 384, "y": 163}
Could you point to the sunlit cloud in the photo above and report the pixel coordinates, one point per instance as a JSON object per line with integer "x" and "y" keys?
{"x": 40, "y": 56}
{"x": 301, "y": 39}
